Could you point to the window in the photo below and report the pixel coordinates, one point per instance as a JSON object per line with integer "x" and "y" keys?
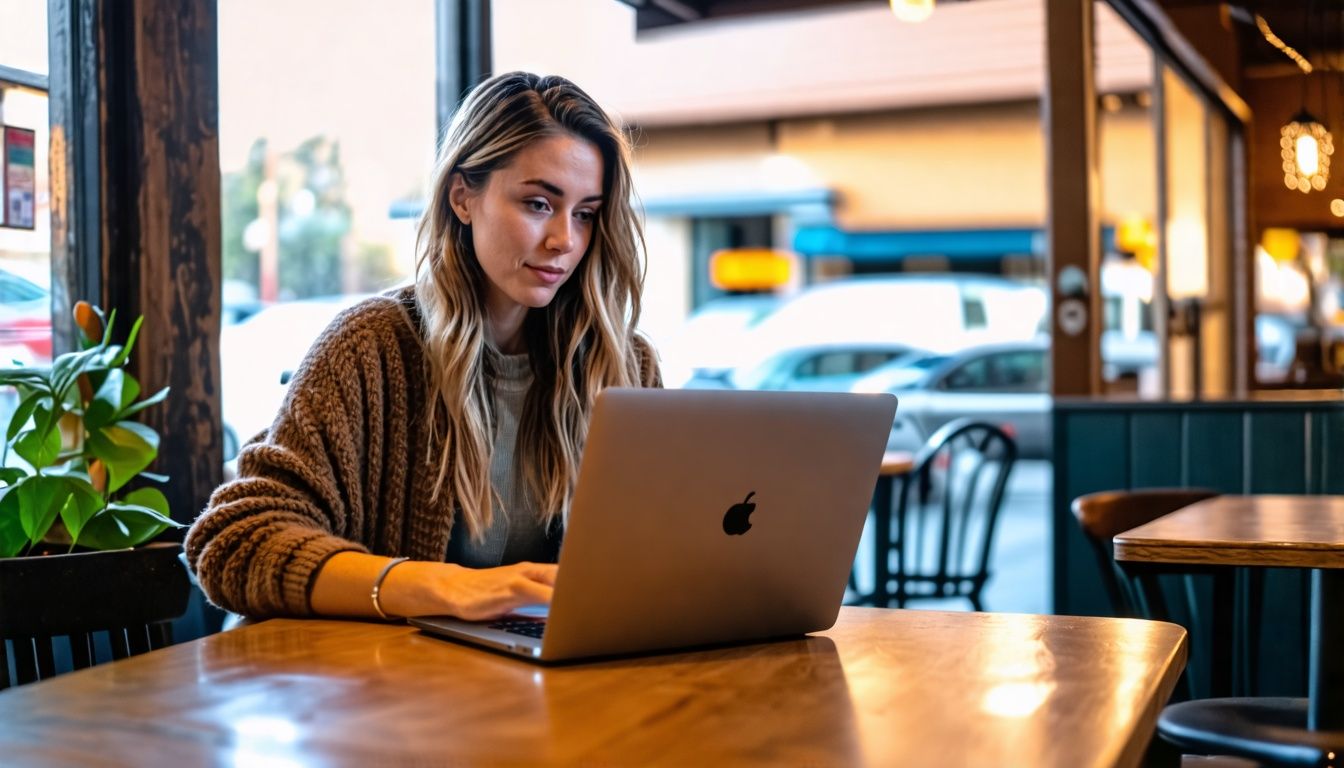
{"x": 25, "y": 244}
{"x": 972, "y": 375}
{"x": 1019, "y": 371}
{"x": 326, "y": 148}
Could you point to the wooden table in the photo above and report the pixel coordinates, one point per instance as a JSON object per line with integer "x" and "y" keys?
{"x": 882, "y": 687}
{"x": 1266, "y": 531}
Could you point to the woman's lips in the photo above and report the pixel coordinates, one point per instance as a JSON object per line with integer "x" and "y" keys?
{"x": 547, "y": 275}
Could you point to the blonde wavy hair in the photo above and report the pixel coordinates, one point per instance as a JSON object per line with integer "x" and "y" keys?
{"x": 583, "y": 341}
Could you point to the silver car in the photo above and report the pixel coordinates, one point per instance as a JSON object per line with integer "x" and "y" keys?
{"x": 1004, "y": 384}
{"x": 813, "y": 368}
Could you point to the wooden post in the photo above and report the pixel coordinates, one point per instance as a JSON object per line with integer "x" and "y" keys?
{"x": 1069, "y": 115}
{"x": 136, "y": 221}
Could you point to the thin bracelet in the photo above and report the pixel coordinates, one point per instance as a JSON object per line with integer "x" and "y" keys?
{"x": 378, "y": 585}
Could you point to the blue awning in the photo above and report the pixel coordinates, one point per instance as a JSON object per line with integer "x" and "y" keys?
{"x": 949, "y": 243}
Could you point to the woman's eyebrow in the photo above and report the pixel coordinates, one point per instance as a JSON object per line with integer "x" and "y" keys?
{"x": 558, "y": 192}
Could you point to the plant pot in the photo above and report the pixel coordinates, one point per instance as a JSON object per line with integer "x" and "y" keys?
{"x": 60, "y": 594}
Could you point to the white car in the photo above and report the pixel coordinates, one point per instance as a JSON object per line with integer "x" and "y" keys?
{"x": 937, "y": 312}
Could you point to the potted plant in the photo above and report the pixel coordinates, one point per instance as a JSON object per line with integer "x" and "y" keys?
{"x": 69, "y": 514}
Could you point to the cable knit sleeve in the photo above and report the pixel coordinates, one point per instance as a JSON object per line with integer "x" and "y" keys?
{"x": 301, "y": 490}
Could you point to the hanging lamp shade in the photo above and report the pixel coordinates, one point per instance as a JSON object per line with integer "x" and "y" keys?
{"x": 912, "y": 11}
{"x": 1307, "y": 146}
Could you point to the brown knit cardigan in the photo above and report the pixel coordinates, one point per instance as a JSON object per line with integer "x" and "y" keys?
{"x": 345, "y": 467}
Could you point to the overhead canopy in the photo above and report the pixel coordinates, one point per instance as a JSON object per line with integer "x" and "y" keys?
{"x": 950, "y": 243}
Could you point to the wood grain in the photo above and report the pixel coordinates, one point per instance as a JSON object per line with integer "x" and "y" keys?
{"x": 1271, "y": 531}
{"x": 882, "y": 687}
{"x": 897, "y": 463}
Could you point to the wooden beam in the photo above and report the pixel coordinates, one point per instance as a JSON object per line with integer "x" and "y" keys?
{"x": 1069, "y": 116}
{"x": 135, "y": 208}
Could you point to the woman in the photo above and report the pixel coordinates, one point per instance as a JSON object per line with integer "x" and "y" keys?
{"x": 424, "y": 457}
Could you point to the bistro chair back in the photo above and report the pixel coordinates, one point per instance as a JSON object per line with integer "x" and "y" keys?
{"x": 100, "y": 617}
{"x": 946, "y": 512}
{"x": 1104, "y": 514}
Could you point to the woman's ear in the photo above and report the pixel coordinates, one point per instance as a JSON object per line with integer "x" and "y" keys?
{"x": 458, "y": 196}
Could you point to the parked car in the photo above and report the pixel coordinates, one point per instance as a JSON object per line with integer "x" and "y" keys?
{"x": 1005, "y": 384}
{"x": 712, "y": 342}
{"x": 258, "y": 355}
{"x": 938, "y": 312}
{"x": 25, "y": 314}
{"x": 815, "y": 368}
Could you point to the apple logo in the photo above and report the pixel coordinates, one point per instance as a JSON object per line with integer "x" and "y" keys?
{"x": 736, "y": 521}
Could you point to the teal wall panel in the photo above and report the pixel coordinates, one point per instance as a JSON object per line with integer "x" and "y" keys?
{"x": 1093, "y": 455}
{"x": 1328, "y": 438}
{"x": 1155, "y": 450}
{"x": 1278, "y": 452}
{"x": 1214, "y": 450}
{"x": 1261, "y": 446}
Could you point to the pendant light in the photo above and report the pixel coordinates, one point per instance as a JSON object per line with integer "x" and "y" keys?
{"x": 1307, "y": 146}
{"x": 1305, "y": 143}
{"x": 913, "y": 11}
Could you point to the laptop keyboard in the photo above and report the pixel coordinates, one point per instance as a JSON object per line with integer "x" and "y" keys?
{"x": 528, "y": 627}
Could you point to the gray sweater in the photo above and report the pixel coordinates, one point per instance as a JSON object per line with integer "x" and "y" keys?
{"x": 345, "y": 467}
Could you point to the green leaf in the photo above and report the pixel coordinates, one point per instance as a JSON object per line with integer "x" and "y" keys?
{"x": 19, "y": 419}
{"x": 123, "y": 525}
{"x": 153, "y": 399}
{"x": 36, "y": 378}
{"x": 152, "y": 498}
{"x": 11, "y": 475}
{"x": 117, "y": 391}
{"x": 40, "y": 445}
{"x": 81, "y": 505}
{"x": 40, "y": 499}
{"x": 11, "y": 530}
{"x": 69, "y": 366}
{"x": 125, "y": 448}
{"x": 125, "y": 352}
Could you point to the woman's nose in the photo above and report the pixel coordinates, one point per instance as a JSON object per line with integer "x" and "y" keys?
{"x": 560, "y": 235}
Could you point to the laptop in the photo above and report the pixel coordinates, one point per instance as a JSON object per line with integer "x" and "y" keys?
{"x": 703, "y": 517}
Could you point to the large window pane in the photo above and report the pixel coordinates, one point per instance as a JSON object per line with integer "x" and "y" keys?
{"x": 23, "y": 35}
{"x": 324, "y": 139}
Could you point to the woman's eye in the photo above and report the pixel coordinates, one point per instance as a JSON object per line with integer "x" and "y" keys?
{"x": 585, "y": 216}
{"x": 540, "y": 206}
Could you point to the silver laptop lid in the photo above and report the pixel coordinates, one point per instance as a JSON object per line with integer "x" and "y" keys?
{"x": 714, "y": 516}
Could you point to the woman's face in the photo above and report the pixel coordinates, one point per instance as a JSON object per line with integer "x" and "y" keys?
{"x": 533, "y": 220}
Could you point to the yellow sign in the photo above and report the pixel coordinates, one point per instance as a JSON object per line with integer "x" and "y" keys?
{"x": 1135, "y": 235}
{"x": 1282, "y": 244}
{"x": 750, "y": 269}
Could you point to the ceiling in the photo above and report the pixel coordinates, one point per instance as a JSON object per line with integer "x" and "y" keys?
{"x": 1314, "y": 28}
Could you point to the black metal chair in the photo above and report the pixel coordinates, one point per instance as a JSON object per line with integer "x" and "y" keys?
{"x": 35, "y": 627}
{"x": 1104, "y": 514}
{"x": 942, "y": 534}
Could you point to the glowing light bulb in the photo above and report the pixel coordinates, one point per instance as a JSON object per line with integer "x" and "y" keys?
{"x": 913, "y": 11}
{"x": 1308, "y": 155}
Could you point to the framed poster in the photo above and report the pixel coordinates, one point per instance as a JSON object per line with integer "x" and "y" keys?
{"x": 19, "y": 190}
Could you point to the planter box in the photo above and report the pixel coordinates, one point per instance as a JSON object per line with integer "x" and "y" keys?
{"x": 64, "y": 594}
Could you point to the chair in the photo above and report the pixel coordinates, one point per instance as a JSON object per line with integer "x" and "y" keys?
{"x": 133, "y": 619}
{"x": 1231, "y": 666}
{"x": 946, "y": 512}
{"x": 1104, "y": 514}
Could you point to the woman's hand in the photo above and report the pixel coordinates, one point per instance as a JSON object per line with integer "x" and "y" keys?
{"x": 419, "y": 588}
{"x": 474, "y": 594}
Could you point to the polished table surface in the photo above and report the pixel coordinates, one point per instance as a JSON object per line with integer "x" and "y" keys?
{"x": 1270, "y": 531}
{"x": 882, "y": 687}
{"x": 897, "y": 463}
